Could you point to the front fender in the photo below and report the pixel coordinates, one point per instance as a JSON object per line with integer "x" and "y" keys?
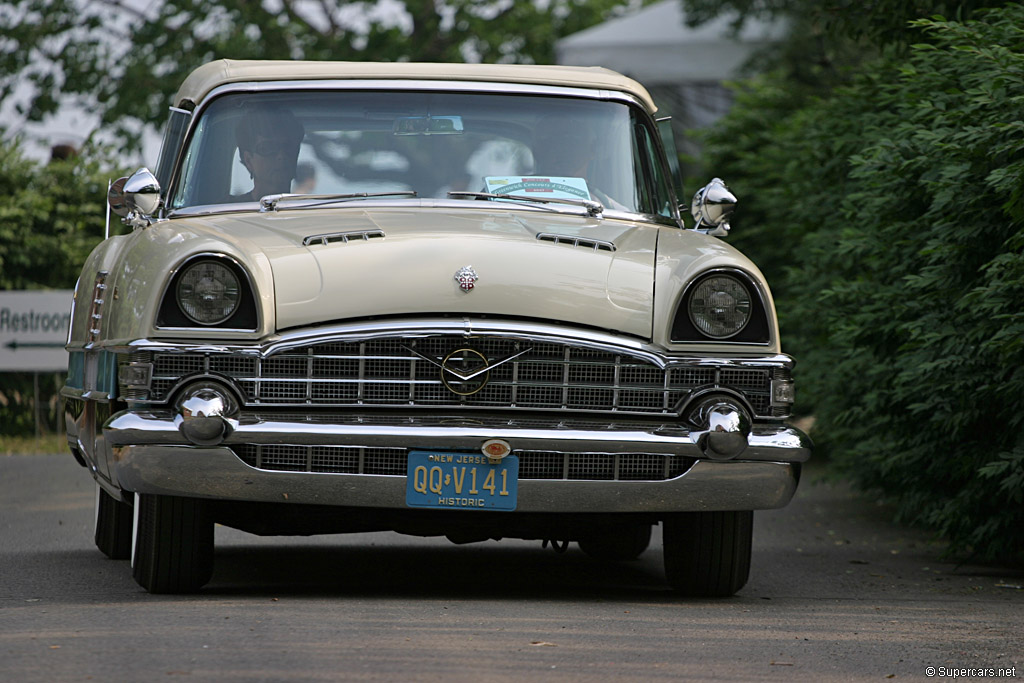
{"x": 684, "y": 255}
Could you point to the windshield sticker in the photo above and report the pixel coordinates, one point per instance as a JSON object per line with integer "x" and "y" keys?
{"x": 550, "y": 186}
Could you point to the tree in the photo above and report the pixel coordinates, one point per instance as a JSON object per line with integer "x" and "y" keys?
{"x": 882, "y": 22}
{"x": 51, "y": 217}
{"x": 127, "y": 62}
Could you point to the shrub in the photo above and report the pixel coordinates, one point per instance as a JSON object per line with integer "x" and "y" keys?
{"x": 891, "y": 215}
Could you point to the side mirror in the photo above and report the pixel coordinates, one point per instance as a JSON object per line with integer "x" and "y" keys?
{"x": 138, "y": 193}
{"x": 115, "y": 197}
{"x": 711, "y": 208}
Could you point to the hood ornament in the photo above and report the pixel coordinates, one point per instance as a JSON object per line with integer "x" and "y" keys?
{"x": 466, "y": 277}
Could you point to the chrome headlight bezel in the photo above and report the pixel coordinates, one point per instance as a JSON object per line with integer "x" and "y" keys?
{"x": 244, "y": 316}
{"x": 755, "y": 328}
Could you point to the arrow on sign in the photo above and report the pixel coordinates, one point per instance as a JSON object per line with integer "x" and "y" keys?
{"x": 14, "y": 345}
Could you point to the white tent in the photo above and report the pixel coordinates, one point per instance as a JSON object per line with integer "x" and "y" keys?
{"x": 681, "y": 64}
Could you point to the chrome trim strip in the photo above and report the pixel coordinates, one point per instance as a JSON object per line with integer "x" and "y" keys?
{"x": 769, "y": 442}
{"x": 217, "y": 473}
{"x": 410, "y": 84}
{"x": 537, "y": 332}
{"x": 219, "y": 330}
{"x": 424, "y": 203}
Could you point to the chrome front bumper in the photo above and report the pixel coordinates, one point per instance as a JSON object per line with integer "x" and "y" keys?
{"x": 149, "y": 454}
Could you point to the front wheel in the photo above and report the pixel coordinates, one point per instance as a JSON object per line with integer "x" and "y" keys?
{"x": 172, "y": 544}
{"x": 707, "y": 554}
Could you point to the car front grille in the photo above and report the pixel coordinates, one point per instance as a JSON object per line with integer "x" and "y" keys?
{"x": 394, "y": 461}
{"x": 406, "y": 372}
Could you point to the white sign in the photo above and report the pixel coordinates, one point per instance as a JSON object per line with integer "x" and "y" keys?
{"x": 33, "y": 330}
{"x": 545, "y": 186}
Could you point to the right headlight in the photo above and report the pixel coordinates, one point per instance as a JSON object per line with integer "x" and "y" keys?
{"x": 720, "y": 306}
{"x": 208, "y": 292}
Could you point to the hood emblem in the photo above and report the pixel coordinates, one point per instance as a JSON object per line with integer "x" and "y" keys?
{"x": 466, "y": 277}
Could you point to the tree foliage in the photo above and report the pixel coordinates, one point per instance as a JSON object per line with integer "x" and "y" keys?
{"x": 882, "y": 22}
{"x": 127, "y": 62}
{"x": 890, "y": 212}
{"x": 51, "y": 217}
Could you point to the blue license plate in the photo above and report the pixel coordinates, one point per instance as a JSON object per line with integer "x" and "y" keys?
{"x": 446, "y": 480}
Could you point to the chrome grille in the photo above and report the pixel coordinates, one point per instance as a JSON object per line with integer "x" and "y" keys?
{"x": 532, "y": 464}
{"x": 392, "y": 372}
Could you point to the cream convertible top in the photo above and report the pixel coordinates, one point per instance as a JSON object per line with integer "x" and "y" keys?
{"x": 207, "y": 77}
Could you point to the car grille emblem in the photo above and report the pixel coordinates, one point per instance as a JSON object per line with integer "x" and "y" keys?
{"x": 466, "y": 277}
{"x": 465, "y": 371}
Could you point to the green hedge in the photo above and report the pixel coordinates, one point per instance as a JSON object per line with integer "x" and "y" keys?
{"x": 890, "y": 215}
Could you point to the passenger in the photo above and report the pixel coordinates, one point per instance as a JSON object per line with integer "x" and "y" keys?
{"x": 268, "y": 146}
{"x": 305, "y": 178}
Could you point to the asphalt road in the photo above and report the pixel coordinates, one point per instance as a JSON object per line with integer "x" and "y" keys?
{"x": 836, "y": 593}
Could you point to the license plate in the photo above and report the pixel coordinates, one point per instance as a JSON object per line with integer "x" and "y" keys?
{"x": 448, "y": 480}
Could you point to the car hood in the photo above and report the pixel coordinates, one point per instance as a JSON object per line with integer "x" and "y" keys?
{"x": 352, "y": 263}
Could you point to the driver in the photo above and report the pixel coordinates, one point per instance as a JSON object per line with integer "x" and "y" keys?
{"x": 563, "y": 147}
{"x": 268, "y": 146}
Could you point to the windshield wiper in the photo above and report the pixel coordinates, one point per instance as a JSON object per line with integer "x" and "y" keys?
{"x": 594, "y": 208}
{"x": 270, "y": 202}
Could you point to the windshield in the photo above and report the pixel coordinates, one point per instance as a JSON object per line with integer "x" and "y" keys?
{"x": 249, "y": 145}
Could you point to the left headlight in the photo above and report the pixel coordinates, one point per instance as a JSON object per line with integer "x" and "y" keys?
{"x": 720, "y": 306}
{"x": 208, "y": 292}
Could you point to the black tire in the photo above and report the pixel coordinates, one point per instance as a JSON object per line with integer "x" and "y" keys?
{"x": 173, "y": 544}
{"x": 113, "y": 534}
{"x": 619, "y": 543}
{"x": 707, "y": 554}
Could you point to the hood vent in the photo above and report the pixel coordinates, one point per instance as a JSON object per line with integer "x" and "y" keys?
{"x": 586, "y": 243}
{"x": 346, "y": 237}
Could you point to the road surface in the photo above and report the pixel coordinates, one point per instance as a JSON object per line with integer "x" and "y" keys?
{"x": 836, "y": 593}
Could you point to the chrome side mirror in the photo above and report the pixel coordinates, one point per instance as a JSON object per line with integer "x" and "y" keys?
{"x": 711, "y": 208}
{"x": 137, "y": 194}
{"x": 115, "y": 197}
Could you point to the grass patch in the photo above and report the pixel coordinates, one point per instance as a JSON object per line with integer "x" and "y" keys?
{"x": 48, "y": 444}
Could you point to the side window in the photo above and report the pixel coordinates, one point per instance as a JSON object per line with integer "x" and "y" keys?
{"x": 652, "y": 182}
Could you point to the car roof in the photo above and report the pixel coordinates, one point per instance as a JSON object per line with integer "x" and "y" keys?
{"x": 213, "y": 74}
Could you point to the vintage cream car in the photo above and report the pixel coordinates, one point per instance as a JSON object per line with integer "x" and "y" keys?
{"x": 452, "y": 300}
